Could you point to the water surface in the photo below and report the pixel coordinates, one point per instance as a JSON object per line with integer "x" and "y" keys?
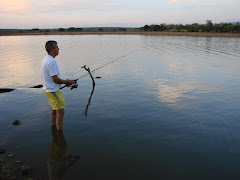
{"x": 168, "y": 108}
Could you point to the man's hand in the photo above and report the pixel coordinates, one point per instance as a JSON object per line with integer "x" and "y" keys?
{"x": 69, "y": 82}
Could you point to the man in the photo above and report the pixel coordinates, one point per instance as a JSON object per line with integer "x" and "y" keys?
{"x": 51, "y": 81}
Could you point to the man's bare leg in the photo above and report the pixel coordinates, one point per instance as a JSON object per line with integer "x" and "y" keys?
{"x": 59, "y": 119}
{"x": 53, "y": 116}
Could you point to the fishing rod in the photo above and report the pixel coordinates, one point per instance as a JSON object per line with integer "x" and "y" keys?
{"x": 3, "y": 90}
{"x": 89, "y": 73}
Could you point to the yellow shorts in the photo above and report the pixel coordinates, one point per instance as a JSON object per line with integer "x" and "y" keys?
{"x": 56, "y": 100}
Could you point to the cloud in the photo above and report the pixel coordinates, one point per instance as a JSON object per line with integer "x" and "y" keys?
{"x": 43, "y": 6}
{"x": 13, "y": 5}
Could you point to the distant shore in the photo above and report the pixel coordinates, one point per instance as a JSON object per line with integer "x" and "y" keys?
{"x": 199, "y": 34}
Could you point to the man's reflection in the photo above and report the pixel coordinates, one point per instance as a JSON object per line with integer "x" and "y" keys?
{"x": 57, "y": 162}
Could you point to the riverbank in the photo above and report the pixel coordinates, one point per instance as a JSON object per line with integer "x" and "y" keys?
{"x": 198, "y": 34}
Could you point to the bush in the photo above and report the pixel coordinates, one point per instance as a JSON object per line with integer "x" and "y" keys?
{"x": 73, "y": 29}
{"x": 35, "y": 29}
{"x": 61, "y": 29}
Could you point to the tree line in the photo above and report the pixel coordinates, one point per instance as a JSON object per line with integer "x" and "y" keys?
{"x": 100, "y": 29}
{"x": 195, "y": 27}
{"x": 208, "y": 27}
{"x": 71, "y": 29}
{"x": 75, "y": 29}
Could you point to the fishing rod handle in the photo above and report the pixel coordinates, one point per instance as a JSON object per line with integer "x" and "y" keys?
{"x": 67, "y": 85}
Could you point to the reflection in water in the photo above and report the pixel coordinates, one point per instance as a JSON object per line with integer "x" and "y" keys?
{"x": 176, "y": 93}
{"x": 173, "y": 94}
{"x": 58, "y": 163}
{"x": 16, "y": 61}
{"x": 89, "y": 100}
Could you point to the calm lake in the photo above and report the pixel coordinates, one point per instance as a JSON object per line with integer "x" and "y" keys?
{"x": 166, "y": 108}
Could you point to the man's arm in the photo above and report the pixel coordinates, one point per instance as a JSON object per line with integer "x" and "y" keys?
{"x": 57, "y": 80}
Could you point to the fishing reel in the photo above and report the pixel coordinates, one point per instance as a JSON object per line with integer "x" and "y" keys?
{"x": 74, "y": 86}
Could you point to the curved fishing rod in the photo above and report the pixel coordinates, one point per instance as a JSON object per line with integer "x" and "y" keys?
{"x": 75, "y": 85}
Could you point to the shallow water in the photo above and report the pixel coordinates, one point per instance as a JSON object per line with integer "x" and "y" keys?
{"x": 168, "y": 108}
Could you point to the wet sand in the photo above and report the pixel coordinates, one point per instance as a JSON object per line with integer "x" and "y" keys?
{"x": 199, "y": 34}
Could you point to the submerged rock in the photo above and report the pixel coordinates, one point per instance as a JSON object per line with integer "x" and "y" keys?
{"x": 10, "y": 155}
{"x": 2, "y": 150}
{"x": 25, "y": 170}
{"x": 16, "y": 123}
{"x": 6, "y": 173}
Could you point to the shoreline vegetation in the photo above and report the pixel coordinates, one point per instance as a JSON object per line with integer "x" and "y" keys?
{"x": 163, "y": 33}
{"x": 203, "y": 30}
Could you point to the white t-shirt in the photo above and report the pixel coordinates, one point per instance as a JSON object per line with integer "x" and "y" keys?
{"x": 49, "y": 69}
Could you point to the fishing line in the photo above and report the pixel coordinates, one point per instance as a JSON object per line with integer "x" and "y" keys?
{"x": 102, "y": 66}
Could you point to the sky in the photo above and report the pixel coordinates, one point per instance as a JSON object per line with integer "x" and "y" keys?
{"x": 113, "y": 13}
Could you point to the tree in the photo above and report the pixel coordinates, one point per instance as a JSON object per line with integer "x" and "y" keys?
{"x": 73, "y": 29}
{"x": 163, "y": 27}
{"x": 237, "y": 28}
{"x": 171, "y": 27}
{"x": 209, "y": 26}
{"x": 180, "y": 27}
{"x": 196, "y": 27}
{"x": 229, "y": 28}
{"x": 121, "y": 29}
{"x": 146, "y": 28}
{"x": 35, "y": 29}
{"x": 61, "y": 29}
{"x": 155, "y": 27}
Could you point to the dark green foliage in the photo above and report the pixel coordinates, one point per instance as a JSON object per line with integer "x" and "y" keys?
{"x": 61, "y": 29}
{"x": 35, "y": 29}
{"x": 73, "y": 29}
{"x": 146, "y": 28}
{"x": 122, "y": 29}
{"x": 195, "y": 27}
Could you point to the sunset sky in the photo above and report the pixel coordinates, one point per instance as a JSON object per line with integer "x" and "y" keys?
{"x": 105, "y": 13}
